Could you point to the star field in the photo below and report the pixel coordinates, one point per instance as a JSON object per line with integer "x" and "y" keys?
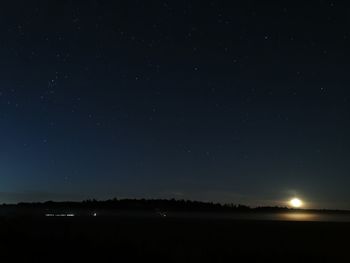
{"x": 230, "y": 101}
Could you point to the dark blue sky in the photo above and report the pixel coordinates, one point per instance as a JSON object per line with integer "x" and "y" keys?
{"x": 231, "y": 101}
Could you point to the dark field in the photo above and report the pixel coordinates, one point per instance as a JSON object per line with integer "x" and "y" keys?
{"x": 104, "y": 239}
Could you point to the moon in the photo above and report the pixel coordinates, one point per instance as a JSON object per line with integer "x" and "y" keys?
{"x": 296, "y": 203}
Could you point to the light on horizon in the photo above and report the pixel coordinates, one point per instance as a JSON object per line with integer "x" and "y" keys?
{"x": 296, "y": 203}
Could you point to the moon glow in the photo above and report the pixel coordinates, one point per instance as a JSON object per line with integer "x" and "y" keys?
{"x": 296, "y": 203}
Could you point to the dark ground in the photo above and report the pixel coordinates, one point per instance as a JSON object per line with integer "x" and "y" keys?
{"x": 103, "y": 239}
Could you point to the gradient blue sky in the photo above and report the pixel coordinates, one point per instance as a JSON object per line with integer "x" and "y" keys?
{"x": 231, "y": 101}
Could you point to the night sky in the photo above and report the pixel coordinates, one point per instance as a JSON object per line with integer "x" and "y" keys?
{"x": 230, "y": 101}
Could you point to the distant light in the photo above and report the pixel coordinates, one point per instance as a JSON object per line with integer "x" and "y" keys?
{"x": 59, "y": 215}
{"x": 296, "y": 203}
{"x": 94, "y": 214}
